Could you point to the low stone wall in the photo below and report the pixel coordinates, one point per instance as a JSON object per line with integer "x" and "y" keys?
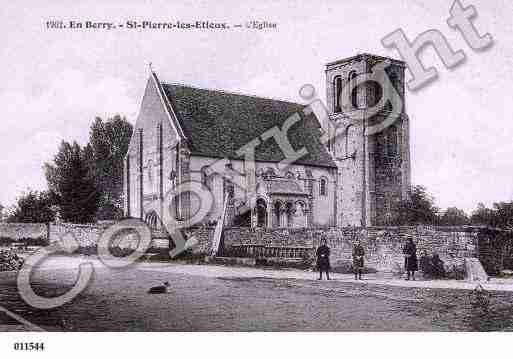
{"x": 17, "y": 231}
{"x": 383, "y": 246}
{"x": 87, "y": 235}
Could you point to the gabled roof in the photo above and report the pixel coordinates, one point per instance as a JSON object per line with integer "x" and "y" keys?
{"x": 218, "y": 123}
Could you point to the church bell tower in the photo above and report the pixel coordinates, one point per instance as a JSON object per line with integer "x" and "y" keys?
{"x": 365, "y": 101}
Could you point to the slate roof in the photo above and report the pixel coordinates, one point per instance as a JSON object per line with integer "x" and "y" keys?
{"x": 218, "y": 123}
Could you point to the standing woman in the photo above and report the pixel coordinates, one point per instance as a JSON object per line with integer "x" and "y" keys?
{"x": 323, "y": 259}
{"x": 410, "y": 258}
{"x": 358, "y": 254}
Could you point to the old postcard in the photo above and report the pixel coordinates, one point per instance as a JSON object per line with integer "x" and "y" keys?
{"x": 255, "y": 166}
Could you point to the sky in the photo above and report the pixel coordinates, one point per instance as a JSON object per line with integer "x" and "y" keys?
{"x": 55, "y": 82}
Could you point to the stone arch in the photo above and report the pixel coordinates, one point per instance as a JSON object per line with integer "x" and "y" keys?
{"x": 152, "y": 220}
{"x": 350, "y": 140}
{"x": 289, "y": 213}
{"x": 261, "y": 212}
{"x": 301, "y": 217}
{"x": 278, "y": 213}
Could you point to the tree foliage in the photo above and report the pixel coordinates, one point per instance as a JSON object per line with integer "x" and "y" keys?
{"x": 88, "y": 182}
{"x": 33, "y": 207}
{"x": 108, "y": 144}
{"x": 500, "y": 215}
{"x": 419, "y": 208}
{"x": 454, "y": 217}
{"x": 69, "y": 178}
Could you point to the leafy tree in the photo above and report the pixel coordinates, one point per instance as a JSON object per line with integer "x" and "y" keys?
{"x": 454, "y": 217}
{"x": 483, "y": 216}
{"x": 504, "y": 215}
{"x": 419, "y": 208}
{"x": 501, "y": 215}
{"x": 108, "y": 144}
{"x": 33, "y": 207}
{"x": 70, "y": 180}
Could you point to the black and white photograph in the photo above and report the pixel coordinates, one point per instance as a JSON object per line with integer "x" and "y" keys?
{"x": 320, "y": 174}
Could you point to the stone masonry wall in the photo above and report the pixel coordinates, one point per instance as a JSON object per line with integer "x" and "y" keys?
{"x": 383, "y": 246}
{"x": 17, "y": 231}
{"x": 88, "y": 235}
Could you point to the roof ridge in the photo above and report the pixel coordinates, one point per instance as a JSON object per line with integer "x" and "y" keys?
{"x": 231, "y": 92}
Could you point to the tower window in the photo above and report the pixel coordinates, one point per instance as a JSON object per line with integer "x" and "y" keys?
{"x": 338, "y": 93}
{"x": 350, "y": 145}
{"x": 353, "y": 89}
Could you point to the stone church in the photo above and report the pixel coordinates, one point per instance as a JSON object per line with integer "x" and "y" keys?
{"x": 351, "y": 180}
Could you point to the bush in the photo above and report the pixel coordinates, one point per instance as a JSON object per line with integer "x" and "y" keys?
{"x": 9, "y": 260}
{"x": 6, "y": 241}
{"x": 432, "y": 267}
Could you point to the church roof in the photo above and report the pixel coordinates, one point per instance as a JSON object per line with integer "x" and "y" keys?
{"x": 218, "y": 123}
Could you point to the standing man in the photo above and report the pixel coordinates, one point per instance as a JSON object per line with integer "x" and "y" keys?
{"x": 358, "y": 262}
{"x": 410, "y": 258}
{"x": 323, "y": 259}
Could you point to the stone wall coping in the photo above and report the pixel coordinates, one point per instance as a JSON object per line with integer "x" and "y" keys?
{"x": 82, "y": 225}
{"x": 35, "y": 224}
{"x": 465, "y": 228}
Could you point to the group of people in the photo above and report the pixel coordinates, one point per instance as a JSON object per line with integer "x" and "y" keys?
{"x": 9, "y": 260}
{"x": 358, "y": 254}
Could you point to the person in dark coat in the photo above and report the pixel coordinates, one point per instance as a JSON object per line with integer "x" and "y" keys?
{"x": 323, "y": 259}
{"x": 410, "y": 258}
{"x": 358, "y": 261}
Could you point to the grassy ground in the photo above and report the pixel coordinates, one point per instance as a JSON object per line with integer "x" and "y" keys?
{"x": 116, "y": 300}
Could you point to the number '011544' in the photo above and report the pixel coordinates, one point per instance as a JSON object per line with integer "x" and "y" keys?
{"x": 29, "y": 346}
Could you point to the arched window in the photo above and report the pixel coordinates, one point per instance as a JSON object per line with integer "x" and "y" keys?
{"x": 277, "y": 213}
{"x": 376, "y": 93}
{"x": 152, "y": 220}
{"x": 269, "y": 172}
{"x": 350, "y": 145}
{"x": 228, "y": 188}
{"x": 337, "y": 90}
{"x": 261, "y": 213}
{"x": 392, "y": 141}
{"x": 323, "y": 184}
{"x": 353, "y": 89}
{"x": 289, "y": 212}
{"x": 394, "y": 79}
{"x": 205, "y": 180}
